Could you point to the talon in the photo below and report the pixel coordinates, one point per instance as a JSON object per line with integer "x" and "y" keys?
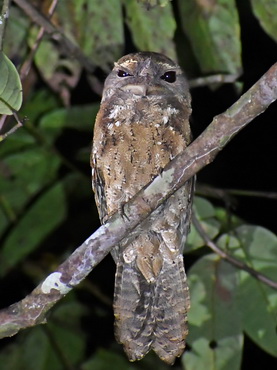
{"x": 122, "y": 213}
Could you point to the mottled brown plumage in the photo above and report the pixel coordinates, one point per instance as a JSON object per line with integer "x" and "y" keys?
{"x": 143, "y": 123}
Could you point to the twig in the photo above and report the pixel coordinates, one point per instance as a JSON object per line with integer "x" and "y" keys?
{"x": 257, "y": 275}
{"x": 211, "y": 80}
{"x": 68, "y": 46}
{"x": 13, "y": 129}
{"x": 3, "y": 20}
{"x": 2, "y": 121}
{"x": 32, "y": 309}
{"x": 213, "y": 192}
{"x": 25, "y": 68}
{"x": 252, "y": 193}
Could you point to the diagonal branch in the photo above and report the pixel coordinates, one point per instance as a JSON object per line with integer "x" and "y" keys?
{"x": 32, "y": 309}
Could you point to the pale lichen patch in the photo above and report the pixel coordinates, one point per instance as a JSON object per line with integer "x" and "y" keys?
{"x": 161, "y": 184}
{"x": 53, "y": 282}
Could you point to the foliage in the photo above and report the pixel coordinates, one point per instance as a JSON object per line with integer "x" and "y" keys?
{"x": 11, "y": 89}
{"x": 46, "y": 206}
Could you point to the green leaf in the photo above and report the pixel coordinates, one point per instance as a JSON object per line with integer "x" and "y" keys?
{"x": 214, "y": 33}
{"x": 10, "y": 356}
{"x": 80, "y": 118}
{"x": 227, "y": 356}
{"x": 39, "y": 103}
{"x": 96, "y": 26}
{"x": 152, "y": 3}
{"x": 257, "y": 247}
{"x": 205, "y": 213}
{"x": 216, "y": 342}
{"x": 16, "y": 32}
{"x": 227, "y": 220}
{"x": 25, "y": 171}
{"x": 152, "y": 29}
{"x": 258, "y": 304}
{"x": 105, "y": 360}
{"x": 265, "y": 11}
{"x": 59, "y": 72}
{"x": 10, "y": 87}
{"x": 44, "y": 216}
{"x": 17, "y": 143}
{"x": 59, "y": 344}
{"x": 48, "y": 51}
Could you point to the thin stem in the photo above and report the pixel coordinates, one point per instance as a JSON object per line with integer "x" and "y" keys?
{"x": 68, "y": 46}
{"x": 257, "y": 275}
{"x": 252, "y": 193}
{"x": 3, "y": 21}
{"x": 13, "y": 129}
{"x": 213, "y": 192}
{"x": 212, "y": 80}
{"x": 25, "y": 68}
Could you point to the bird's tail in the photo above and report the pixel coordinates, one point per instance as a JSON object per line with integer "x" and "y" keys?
{"x": 151, "y": 315}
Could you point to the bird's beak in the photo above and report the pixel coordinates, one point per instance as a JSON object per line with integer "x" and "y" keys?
{"x": 143, "y": 89}
{"x": 140, "y": 90}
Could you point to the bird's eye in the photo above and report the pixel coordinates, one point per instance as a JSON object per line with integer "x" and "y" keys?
{"x": 122, "y": 73}
{"x": 169, "y": 76}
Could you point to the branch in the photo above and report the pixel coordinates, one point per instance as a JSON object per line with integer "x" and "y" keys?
{"x": 68, "y": 46}
{"x": 32, "y": 309}
{"x": 257, "y": 275}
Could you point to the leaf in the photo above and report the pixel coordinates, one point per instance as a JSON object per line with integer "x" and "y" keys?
{"x": 257, "y": 247}
{"x": 258, "y": 304}
{"x": 228, "y": 220}
{"x": 49, "y": 347}
{"x": 152, "y": 3}
{"x": 265, "y": 11}
{"x": 60, "y": 73}
{"x": 105, "y": 360}
{"x": 16, "y": 33}
{"x": 25, "y": 170}
{"x": 96, "y": 27}
{"x": 10, "y": 87}
{"x": 64, "y": 70}
{"x": 214, "y": 33}
{"x": 216, "y": 342}
{"x": 205, "y": 213}
{"x": 80, "y": 118}
{"x": 10, "y": 356}
{"x": 152, "y": 29}
{"x": 44, "y": 216}
{"x": 203, "y": 357}
{"x": 38, "y": 104}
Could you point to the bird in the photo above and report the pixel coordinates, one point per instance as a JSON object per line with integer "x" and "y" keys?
{"x": 142, "y": 124}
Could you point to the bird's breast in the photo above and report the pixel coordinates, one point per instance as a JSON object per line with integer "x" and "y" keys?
{"x": 133, "y": 143}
